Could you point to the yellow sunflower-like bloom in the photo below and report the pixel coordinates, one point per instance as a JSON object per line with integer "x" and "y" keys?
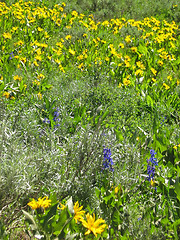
{"x": 94, "y": 226}
{"x": 7, "y": 35}
{"x": 78, "y": 213}
{"x": 42, "y": 202}
{"x": 166, "y": 86}
{"x": 33, "y": 204}
{"x": 6, "y": 94}
{"x": 72, "y": 51}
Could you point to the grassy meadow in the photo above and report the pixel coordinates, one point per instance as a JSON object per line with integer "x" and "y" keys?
{"x": 90, "y": 119}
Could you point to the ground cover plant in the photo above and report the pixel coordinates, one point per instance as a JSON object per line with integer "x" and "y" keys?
{"x": 89, "y": 120}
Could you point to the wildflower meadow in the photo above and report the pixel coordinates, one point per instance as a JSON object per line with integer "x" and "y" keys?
{"x": 90, "y": 119}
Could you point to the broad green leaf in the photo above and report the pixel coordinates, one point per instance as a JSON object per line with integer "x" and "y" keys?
{"x": 150, "y": 101}
{"x": 30, "y": 219}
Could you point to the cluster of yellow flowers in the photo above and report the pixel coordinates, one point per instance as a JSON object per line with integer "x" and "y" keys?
{"x": 37, "y": 48}
{"x": 92, "y": 225}
{"x": 176, "y": 146}
{"x": 41, "y": 203}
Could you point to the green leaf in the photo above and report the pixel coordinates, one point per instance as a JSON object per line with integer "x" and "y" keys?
{"x": 119, "y": 135}
{"x": 98, "y": 192}
{"x": 106, "y": 199}
{"x": 150, "y": 101}
{"x": 62, "y": 223}
{"x": 142, "y": 49}
{"x": 51, "y": 213}
{"x": 1, "y": 85}
{"x": 177, "y": 188}
{"x": 30, "y": 219}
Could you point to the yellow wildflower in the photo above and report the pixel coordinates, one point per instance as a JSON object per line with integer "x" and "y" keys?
{"x": 36, "y": 82}
{"x": 172, "y": 45}
{"x": 39, "y": 95}
{"x": 154, "y": 71}
{"x": 175, "y": 147}
{"x": 15, "y": 28}
{"x": 40, "y": 29}
{"x": 160, "y": 62}
{"x": 169, "y": 78}
{"x": 68, "y": 37}
{"x": 81, "y": 65}
{"x": 57, "y": 61}
{"x": 134, "y": 49}
{"x": 38, "y": 57}
{"x": 166, "y": 86}
{"x": 128, "y": 39}
{"x": 61, "y": 9}
{"x": 6, "y": 94}
{"x": 94, "y": 226}
{"x": 116, "y": 190}
{"x": 78, "y": 213}
{"x": 19, "y": 43}
{"x": 7, "y": 35}
{"x": 36, "y": 64}
{"x": 58, "y": 21}
{"x": 139, "y": 72}
{"x": 42, "y": 202}
{"x": 74, "y": 13}
{"x": 17, "y": 78}
{"x": 126, "y": 82}
{"x": 38, "y": 51}
{"x": 121, "y": 45}
{"x": 41, "y": 76}
{"x": 43, "y": 45}
{"x": 152, "y": 183}
{"x": 46, "y": 35}
{"x": 72, "y": 51}
{"x": 33, "y": 204}
{"x": 61, "y": 68}
{"x": 23, "y": 59}
{"x": 141, "y": 65}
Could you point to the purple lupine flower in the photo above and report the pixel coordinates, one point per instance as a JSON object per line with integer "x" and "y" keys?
{"x": 11, "y": 56}
{"x": 56, "y": 115}
{"x": 46, "y": 120}
{"x": 151, "y": 167}
{"x": 107, "y": 162}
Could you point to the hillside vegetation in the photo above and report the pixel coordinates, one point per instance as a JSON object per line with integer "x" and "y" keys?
{"x": 89, "y": 119}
